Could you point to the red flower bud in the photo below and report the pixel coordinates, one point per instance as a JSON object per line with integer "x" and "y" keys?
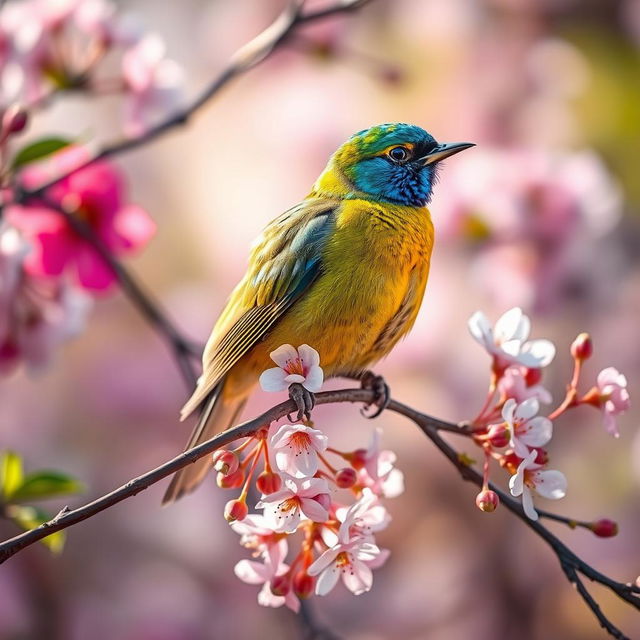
{"x": 225, "y": 462}
{"x": 582, "y": 347}
{"x": 358, "y": 458}
{"x": 280, "y": 585}
{"x": 487, "y": 501}
{"x": 230, "y": 481}
{"x": 303, "y": 584}
{"x": 14, "y": 120}
{"x": 346, "y": 478}
{"x": 268, "y": 482}
{"x": 604, "y": 528}
{"x": 235, "y": 510}
{"x": 498, "y": 435}
{"x": 533, "y": 377}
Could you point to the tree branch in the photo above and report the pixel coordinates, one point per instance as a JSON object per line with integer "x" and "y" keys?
{"x": 571, "y": 564}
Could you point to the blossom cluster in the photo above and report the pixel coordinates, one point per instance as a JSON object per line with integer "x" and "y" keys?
{"x": 330, "y": 511}
{"x": 509, "y": 428}
{"x": 48, "y": 46}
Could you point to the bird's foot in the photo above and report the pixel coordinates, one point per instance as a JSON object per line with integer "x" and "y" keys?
{"x": 303, "y": 399}
{"x": 379, "y": 386}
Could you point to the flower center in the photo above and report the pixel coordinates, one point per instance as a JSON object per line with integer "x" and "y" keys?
{"x": 295, "y": 366}
{"x": 300, "y": 441}
{"x": 343, "y": 561}
{"x": 290, "y": 504}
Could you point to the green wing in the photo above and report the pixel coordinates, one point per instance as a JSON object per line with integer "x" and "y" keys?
{"x": 284, "y": 262}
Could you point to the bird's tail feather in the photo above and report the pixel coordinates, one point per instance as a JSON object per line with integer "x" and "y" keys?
{"x": 217, "y": 414}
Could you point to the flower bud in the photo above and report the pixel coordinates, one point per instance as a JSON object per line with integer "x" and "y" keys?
{"x": 346, "y": 478}
{"x": 498, "y": 435}
{"x": 14, "y": 120}
{"x": 358, "y": 458}
{"x": 230, "y": 481}
{"x": 582, "y": 347}
{"x": 235, "y": 510}
{"x": 532, "y": 377}
{"x": 225, "y": 462}
{"x": 303, "y": 584}
{"x": 604, "y": 528}
{"x": 268, "y": 482}
{"x": 280, "y": 585}
{"x": 487, "y": 501}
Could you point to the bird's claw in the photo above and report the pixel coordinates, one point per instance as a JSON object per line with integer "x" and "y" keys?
{"x": 382, "y": 393}
{"x": 303, "y": 399}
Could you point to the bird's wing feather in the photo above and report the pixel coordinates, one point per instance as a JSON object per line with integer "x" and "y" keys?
{"x": 284, "y": 262}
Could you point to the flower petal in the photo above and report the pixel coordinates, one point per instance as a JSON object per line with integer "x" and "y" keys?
{"x": 314, "y": 510}
{"x": 512, "y": 325}
{"x": 550, "y": 484}
{"x": 536, "y": 432}
{"x": 273, "y": 379}
{"x": 359, "y": 578}
{"x": 283, "y": 354}
{"x": 527, "y": 504}
{"x": 323, "y": 562}
{"x": 309, "y": 356}
{"x": 314, "y": 379}
{"x": 327, "y": 580}
{"x": 251, "y": 572}
{"x": 537, "y": 353}
{"x": 480, "y": 328}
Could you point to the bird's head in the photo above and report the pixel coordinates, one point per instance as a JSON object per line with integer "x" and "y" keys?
{"x": 395, "y": 163}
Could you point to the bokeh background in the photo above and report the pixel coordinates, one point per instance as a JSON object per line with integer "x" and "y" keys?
{"x": 543, "y": 213}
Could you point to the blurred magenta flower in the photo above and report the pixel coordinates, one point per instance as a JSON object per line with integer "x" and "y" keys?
{"x": 35, "y": 314}
{"x": 97, "y": 195}
{"x": 153, "y": 84}
{"x": 613, "y": 396}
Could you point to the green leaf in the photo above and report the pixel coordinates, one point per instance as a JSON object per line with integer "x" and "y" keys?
{"x": 30, "y": 518}
{"x": 46, "y": 484}
{"x": 38, "y": 150}
{"x": 11, "y": 476}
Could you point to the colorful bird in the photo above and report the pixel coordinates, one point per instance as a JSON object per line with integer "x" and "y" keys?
{"x": 344, "y": 271}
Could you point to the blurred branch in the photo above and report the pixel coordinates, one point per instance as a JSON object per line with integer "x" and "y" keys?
{"x": 250, "y": 55}
{"x": 183, "y": 349}
{"x": 572, "y": 565}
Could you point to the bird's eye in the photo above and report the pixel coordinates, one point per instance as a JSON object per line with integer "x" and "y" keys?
{"x": 399, "y": 154}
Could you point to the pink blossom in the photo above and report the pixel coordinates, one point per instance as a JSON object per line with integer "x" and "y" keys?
{"x": 363, "y": 518}
{"x": 98, "y": 195}
{"x": 379, "y": 473}
{"x": 507, "y": 341}
{"x": 284, "y": 509}
{"x": 513, "y": 384}
{"x": 35, "y": 315}
{"x": 263, "y": 573}
{"x": 525, "y": 427}
{"x": 255, "y": 533}
{"x": 153, "y": 84}
{"x": 299, "y": 365}
{"x": 351, "y": 560}
{"x": 546, "y": 482}
{"x": 296, "y": 449}
{"x": 613, "y": 396}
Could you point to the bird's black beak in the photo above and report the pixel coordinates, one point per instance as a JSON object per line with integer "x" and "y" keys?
{"x": 445, "y": 150}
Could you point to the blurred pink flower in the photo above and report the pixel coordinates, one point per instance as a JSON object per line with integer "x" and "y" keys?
{"x": 379, "y": 473}
{"x": 530, "y": 216}
{"x": 299, "y": 365}
{"x": 153, "y": 84}
{"x": 97, "y": 194}
{"x": 35, "y": 314}
{"x": 263, "y": 573}
{"x": 546, "y": 482}
{"x": 296, "y": 449}
{"x": 613, "y": 396}
{"x": 363, "y": 518}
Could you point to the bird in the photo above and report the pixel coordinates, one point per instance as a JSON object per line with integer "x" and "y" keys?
{"x": 343, "y": 271}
